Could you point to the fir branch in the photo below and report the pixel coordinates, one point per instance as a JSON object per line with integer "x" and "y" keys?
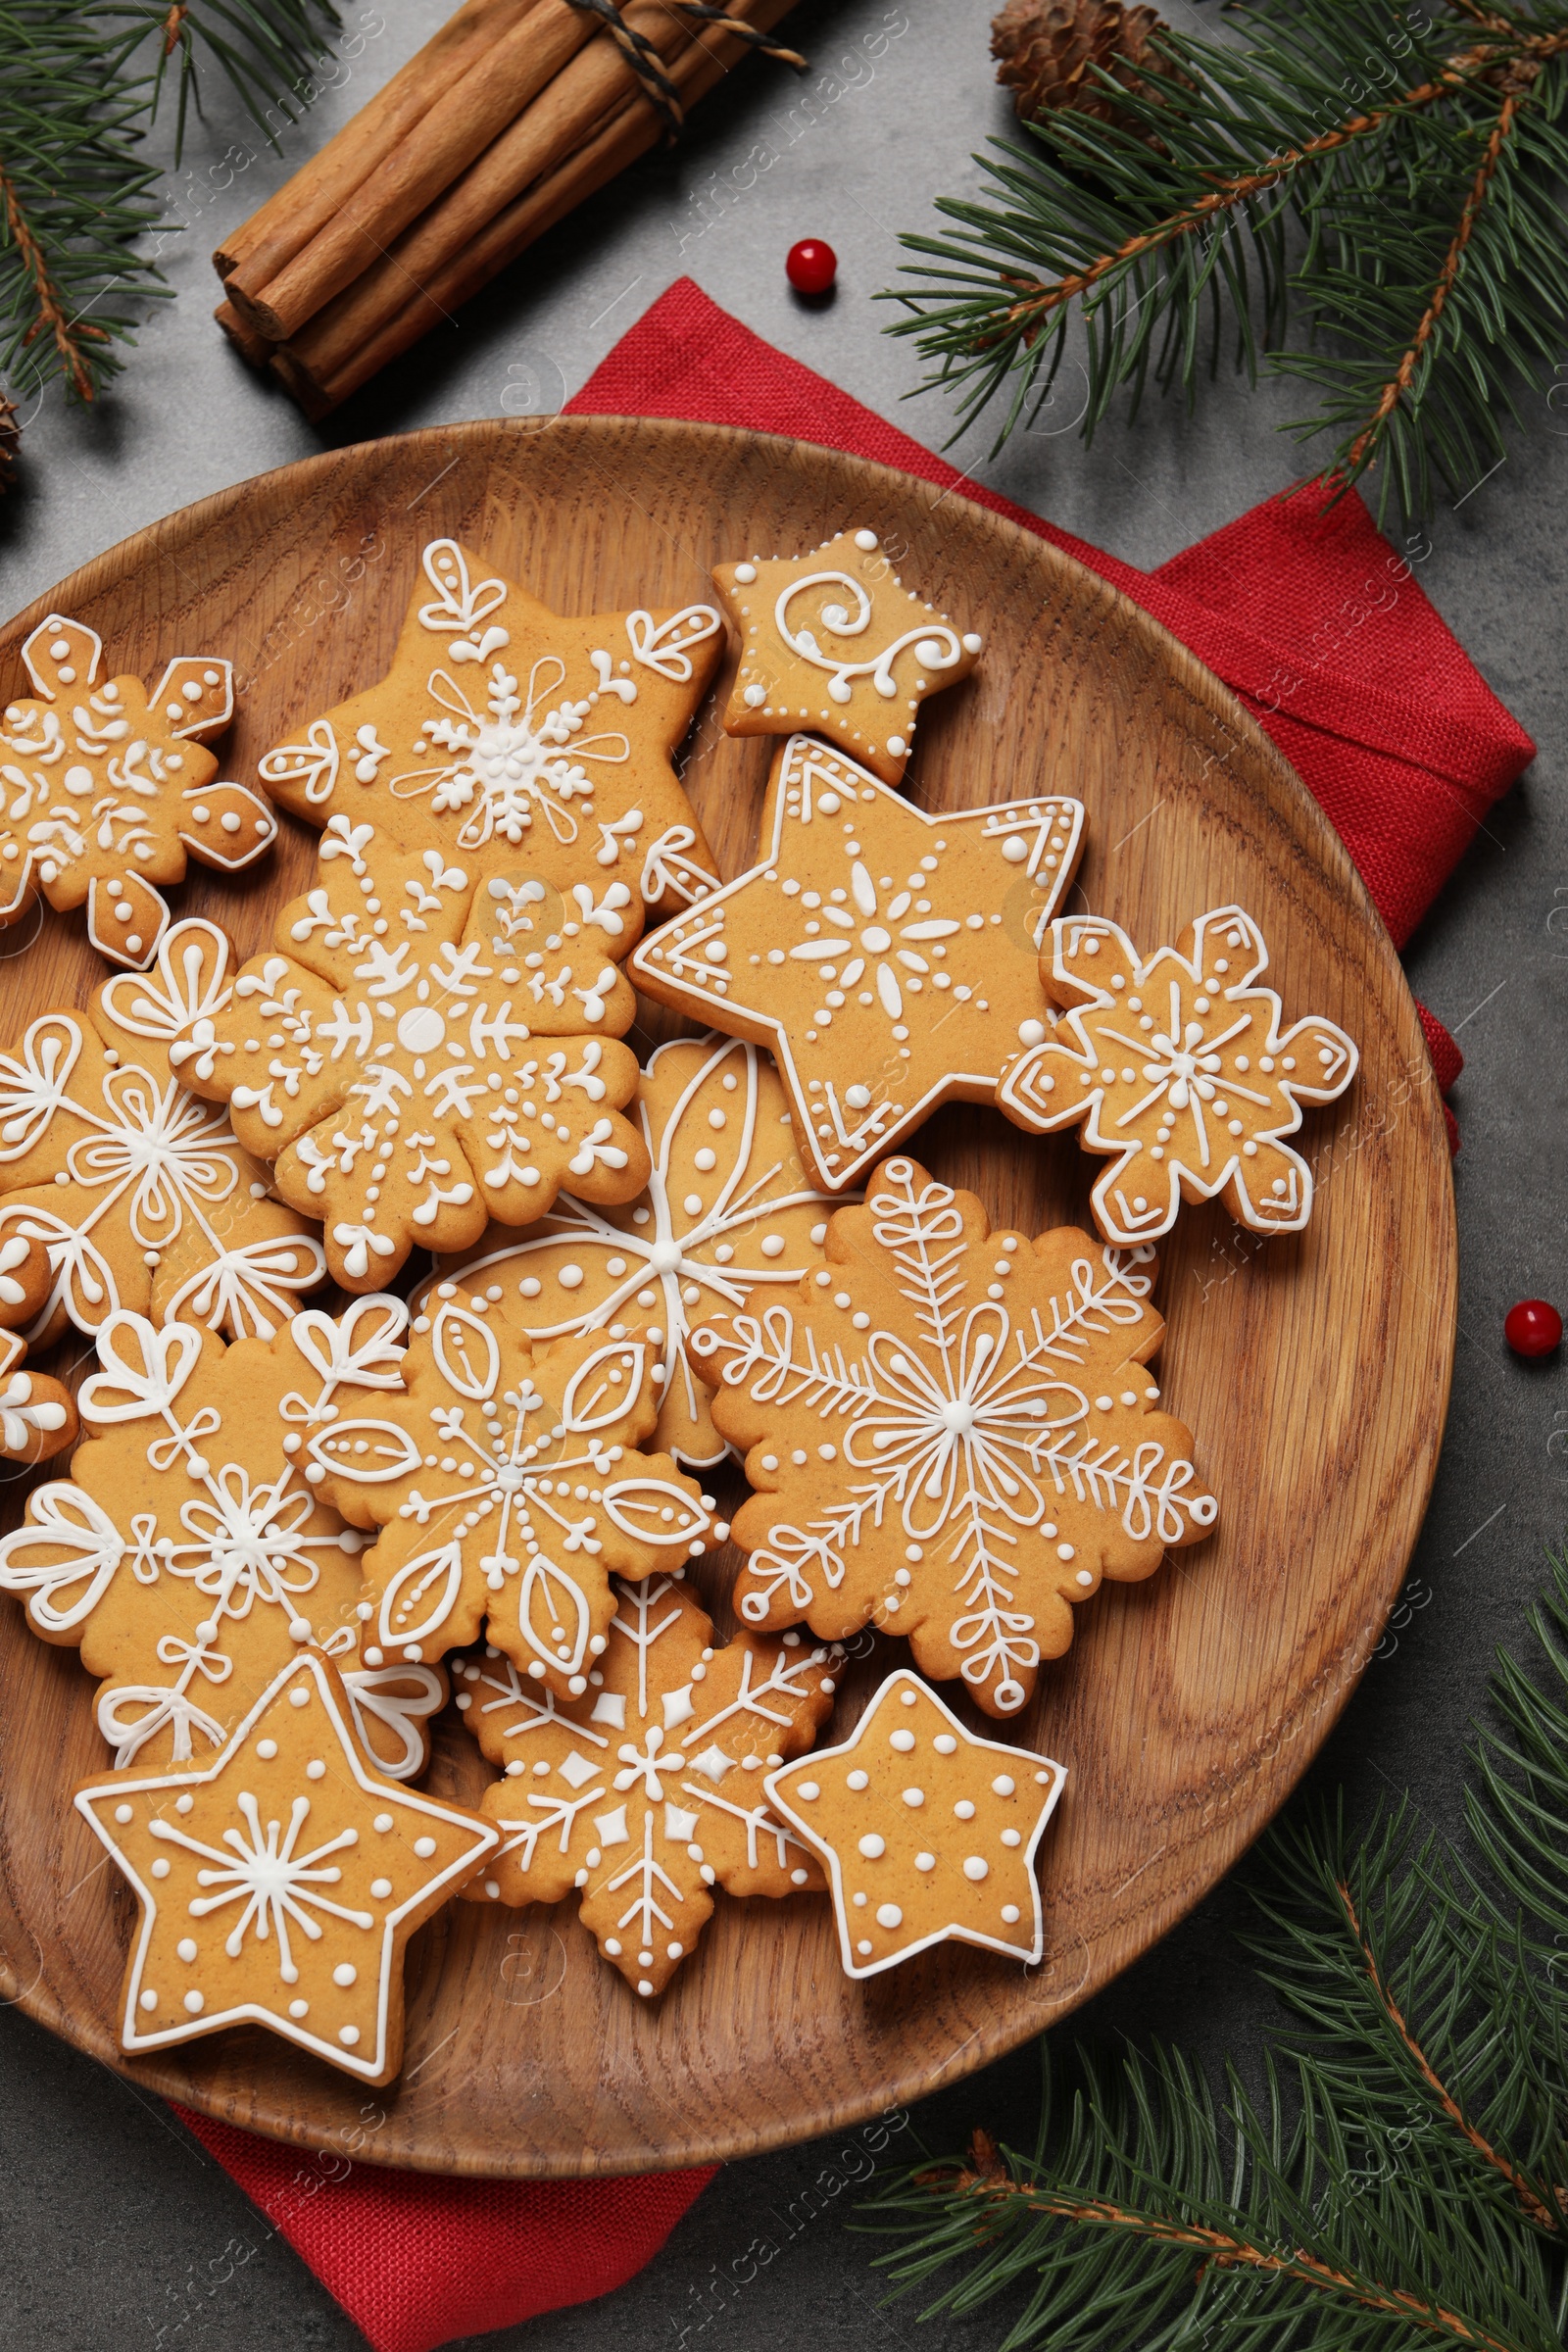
{"x": 264, "y": 48}
{"x": 1418, "y": 234}
{"x": 1403, "y": 2182}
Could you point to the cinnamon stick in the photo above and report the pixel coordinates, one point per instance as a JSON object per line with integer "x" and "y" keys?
{"x": 251, "y": 346}
{"x": 266, "y": 243}
{"x": 461, "y": 124}
{"x": 324, "y": 367}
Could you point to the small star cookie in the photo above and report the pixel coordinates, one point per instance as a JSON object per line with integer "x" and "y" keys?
{"x": 888, "y": 959}
{"x": 503, "y": 726}
{"x": 1177, "y": 1067}
{"x": 833, "y": 641}
{"x": 107, "y": 789}
{"x": 280, "y": 1886}
{"x": 927, "y": 1832}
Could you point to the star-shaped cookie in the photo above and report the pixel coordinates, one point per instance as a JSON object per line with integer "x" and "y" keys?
{"x": 888, "y": 959}
{"x": 280, "y": 1886}
{"x": 503, "y": 723}
{"x": 927, "y": 1832}
{"x": 835, "y": 642}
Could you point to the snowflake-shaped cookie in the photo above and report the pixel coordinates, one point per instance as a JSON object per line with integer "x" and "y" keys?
{"x": 107, "y": 789}
{"x": 189, "y": 1557}
{"x": 280, "y": 1884}
{"x": 928, "y": 1832}
{"x": 888, "y": 959}
{"x": 507, "y": 1486}
{"x": 835, "y": 642}
{"x": 429, "y": 1050}
{"x": 647, "y": 1795}
{"x": 950, "y": 1435}
{"x": 1178, "y": 1068}
{"x": 726, "y": 1207}
{"x": 502, "y": 725}
{"x": 139, "y": 1191}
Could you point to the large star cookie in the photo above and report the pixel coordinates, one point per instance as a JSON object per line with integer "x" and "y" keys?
{"x": 835, "y": 642}
{"x": 887, "y": 958}
{"x": 927, "y": 1832}
{"x": 1179, "y": 1068}
{"x": 951, "y": 1435}
{"x": 726, "y": 1210}
{"x": 429, "y": 1050}
{"x": 502, "y": 724}
{"x": 189, "y": 1554}
{"x": 107, "y": 789}
{"x": 279, "y": 1885}
{"x": 645, "y": 1794}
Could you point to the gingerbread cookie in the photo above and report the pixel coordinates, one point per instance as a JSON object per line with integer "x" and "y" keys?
{"x": 835, "y": 642}
{"x": 280, "y": 1884}
{"x": 37, "y": 1414}
{"x": 507, "y": 1486}
{"x": 928, "y": 1834}
{"x": 645, "y": 1793}
{"x": 885, "y": 957}
{"x": 502, "y": 727}
{"x": 951, "y": 1435}
{"x": 1178, "y": 1068}
{"x": 428, "y": 1050}
{"x": 189, "y": 1556}
{"x": 726, "y": 1209}
{"x": 108, "y": 789}
{"x": 138, "y": 1193}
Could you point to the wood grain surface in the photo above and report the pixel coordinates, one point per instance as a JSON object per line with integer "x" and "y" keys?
{"x": 1314, "y": 1371}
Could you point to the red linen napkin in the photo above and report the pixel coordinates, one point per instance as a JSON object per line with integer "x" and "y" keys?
{"x": 1319, "y": 627}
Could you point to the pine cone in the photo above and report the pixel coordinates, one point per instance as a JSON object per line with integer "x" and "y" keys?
{"x": 1046, "y": 47}
{"x": 9, "y": 442}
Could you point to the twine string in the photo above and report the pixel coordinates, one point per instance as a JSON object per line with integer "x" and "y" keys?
{"x": 647, "y": 66}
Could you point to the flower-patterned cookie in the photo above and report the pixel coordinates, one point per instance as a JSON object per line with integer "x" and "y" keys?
{"x": 1179, "y": 1069}
{"x": 927, "y": 1832}
{"x": 108, "y": 789}
{"x": 726, "y": 1207}
{"x": 503, "y": 726}
{"x": 888, "y": 959}
{"x": 278, "y": 1885}
{"x": 37, "y": 1414}
{"x": 835, "y": 642}
{"x": 646, "y": 1793}
{"x": 507, "y": 1484}
{"x": 950, "y": 1435}
{"x": 188, "y": 1555}
{"x": 140, "y": 1194}
{"x": 429, "y": 1049}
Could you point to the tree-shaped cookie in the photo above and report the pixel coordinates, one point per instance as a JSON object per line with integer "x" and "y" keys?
{"x": 139, "y": 1193}
{"x": 108, "y": 789}
{"x": 728, "y": 1207}
{"x": 507, "y": 1484}
{"x": 928, "y": 1834}
{"x": 647, "y": 1792}
{"x": 833, "y": 641}
{"x": 1179, "y": 1069}
{"x": 950, "y": 1435}
{"x": 888, "y": 959}
{"x": 428, "y": 1050}
{"x": 503, "y": 726}
{"x": 188, "y": 1556}
{"x": 279, "y": 1883}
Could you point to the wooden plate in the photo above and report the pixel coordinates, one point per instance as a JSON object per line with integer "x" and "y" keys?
{"x": 1314, "y": 1371}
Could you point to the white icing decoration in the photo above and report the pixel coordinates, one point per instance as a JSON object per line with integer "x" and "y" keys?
{"x": 518, "y": 759}
{"x": 937, "y": 645}
{"x": 311, "y": 764}
{"x": 662, "y": 649}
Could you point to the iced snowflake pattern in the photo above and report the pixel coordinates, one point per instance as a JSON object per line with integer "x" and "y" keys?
{"x": 949, "y": 1434}
{"x": 1179, "y": 1068}
{"x": 646, "y": 1793}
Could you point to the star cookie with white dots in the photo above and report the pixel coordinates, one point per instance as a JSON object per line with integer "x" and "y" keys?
{"x": 280, "y": 1886}
{"x": 927, "y": 1832}
{"x": 835, "y": 642}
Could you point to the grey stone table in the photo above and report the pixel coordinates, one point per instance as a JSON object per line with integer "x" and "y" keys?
{"x": 109, "y": 2210}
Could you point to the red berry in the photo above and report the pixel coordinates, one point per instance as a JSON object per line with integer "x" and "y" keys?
{"x": 811, "y": 266}
{"x": 1533, "y": 1328}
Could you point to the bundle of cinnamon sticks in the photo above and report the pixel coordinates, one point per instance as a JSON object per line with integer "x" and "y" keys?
{"x": 515, "y": 112}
